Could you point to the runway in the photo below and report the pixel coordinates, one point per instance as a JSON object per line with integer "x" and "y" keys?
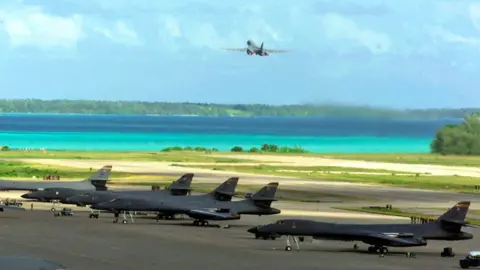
{"x": 82, "y": 243}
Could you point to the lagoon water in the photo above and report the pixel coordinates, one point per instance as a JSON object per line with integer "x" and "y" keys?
{"x": 151, "y": 133}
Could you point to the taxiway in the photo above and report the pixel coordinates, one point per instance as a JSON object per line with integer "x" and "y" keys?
{"x": 82, "y": 243}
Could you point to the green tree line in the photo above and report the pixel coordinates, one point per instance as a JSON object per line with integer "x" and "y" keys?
{"x": 461, "y": 139}
{"x": 210, "y": 109}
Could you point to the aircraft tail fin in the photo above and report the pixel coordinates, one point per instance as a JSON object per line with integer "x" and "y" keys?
{"x": 226, "y": 190}
{"x": 266, "y": 195}
{"x": 261, "y": 47}
{"x": 454, "y": 218}
{"x": 181, "y": 186}
{"x": 99, "y": 178}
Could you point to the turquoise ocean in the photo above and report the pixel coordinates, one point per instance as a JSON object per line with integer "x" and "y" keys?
{"x": 153, "y": 133}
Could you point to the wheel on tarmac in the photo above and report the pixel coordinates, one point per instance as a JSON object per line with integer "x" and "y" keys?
{"x": 371, "y": 249}
{"x": 464, "y": 264}
{"x": 52, "y": 209}
{"x": 288, "y": 248}
{"x": 383, "y": 250}
{"x": 124, "y": 221}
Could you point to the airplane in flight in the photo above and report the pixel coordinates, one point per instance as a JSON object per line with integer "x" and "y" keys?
{"x": 179, "y": 187}
{"x": 97, "y": 181}
{"x": 26, "y": 263}
{"x": 447, "y": 227}
{"x": 254, "y": 49}
{"x": 201, "y": 207}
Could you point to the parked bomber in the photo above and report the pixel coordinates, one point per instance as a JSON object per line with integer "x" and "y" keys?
{"x": 55, "y": 191}
{"x": 446, "y": 227}
{"x": 25, "y": 263}
{"x": 216, "y": 205}
{"x": 129, "y": 203}
{"x": 253, "y": 49}
{"x": 179, "y": 187}
{"x": 78, "y": 197}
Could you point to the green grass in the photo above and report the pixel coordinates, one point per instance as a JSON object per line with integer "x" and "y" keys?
{"x": 395, "y": 212}
{"x": 390, "y": 178}
{"x": 181, "y": 156}
{"x": 13, "y": 169}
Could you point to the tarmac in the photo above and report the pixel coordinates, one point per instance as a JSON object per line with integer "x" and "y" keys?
{"x": 82, "y": 243}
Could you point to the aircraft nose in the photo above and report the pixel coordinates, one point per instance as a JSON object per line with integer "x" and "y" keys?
{"x": 276, "y": 211}
{"x": 27, "y": 196}
{"x": 253, "y": 230}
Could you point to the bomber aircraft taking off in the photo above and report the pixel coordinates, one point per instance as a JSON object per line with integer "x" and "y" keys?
{"x": 253, "y": 49}
{"x": 447, "y": 227}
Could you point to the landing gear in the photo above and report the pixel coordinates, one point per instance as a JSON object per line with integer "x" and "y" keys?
{"x": 124, "y": 217}
{"x": 378, "y": 250}
{"x": 288, "y": 247}
{"x": 200, "y": 223}
{"x": 54, "y": 203}
{"x": 447, "y": 252}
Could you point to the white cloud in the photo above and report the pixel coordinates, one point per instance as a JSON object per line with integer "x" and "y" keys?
{"x": 119, "y": 33}
{"x": 205, "y": 33}
{"x": 454, "y": 38}
{"x": 338, "y": 27}
{"x": 474, "y": 14}
{"x": 30, "y": 26}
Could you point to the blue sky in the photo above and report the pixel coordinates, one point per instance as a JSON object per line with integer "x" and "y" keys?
{"x": 391, "y": 53}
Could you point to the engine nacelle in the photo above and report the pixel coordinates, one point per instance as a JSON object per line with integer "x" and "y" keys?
{"x": 265, "y": 53}
{"x": 249, "y": 52}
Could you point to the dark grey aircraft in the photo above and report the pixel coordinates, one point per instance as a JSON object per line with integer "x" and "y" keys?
{"x": 216, "y": 205}
{"x": 446, "y": 227}
{"x": 96, "y": 182}
{"x": 129, "y": 203}
{"x": 253, "y": 49}
{"x": 53, "y": 191}
{"x": 88, "y": 197}
{"x": 25, "y": 263}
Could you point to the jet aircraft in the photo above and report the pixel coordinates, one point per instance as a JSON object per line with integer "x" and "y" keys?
{"x": 25, "y": 263}
{"x": 130, "y": 203}
{"x": 446, "y": 227}
{"x": 216, "y": 205}
{"x": 253, "y": 49}
{"x": 53, "y": 191}
{"x": 83, "y": 198}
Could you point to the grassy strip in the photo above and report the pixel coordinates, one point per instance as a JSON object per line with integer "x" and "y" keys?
{"x": 398, "y": 179}
{"x": 395, "y": 212}
{"x": 13, "y": 169}
{"x": 183, "y": 156}
{"x": 291, "y": 169}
